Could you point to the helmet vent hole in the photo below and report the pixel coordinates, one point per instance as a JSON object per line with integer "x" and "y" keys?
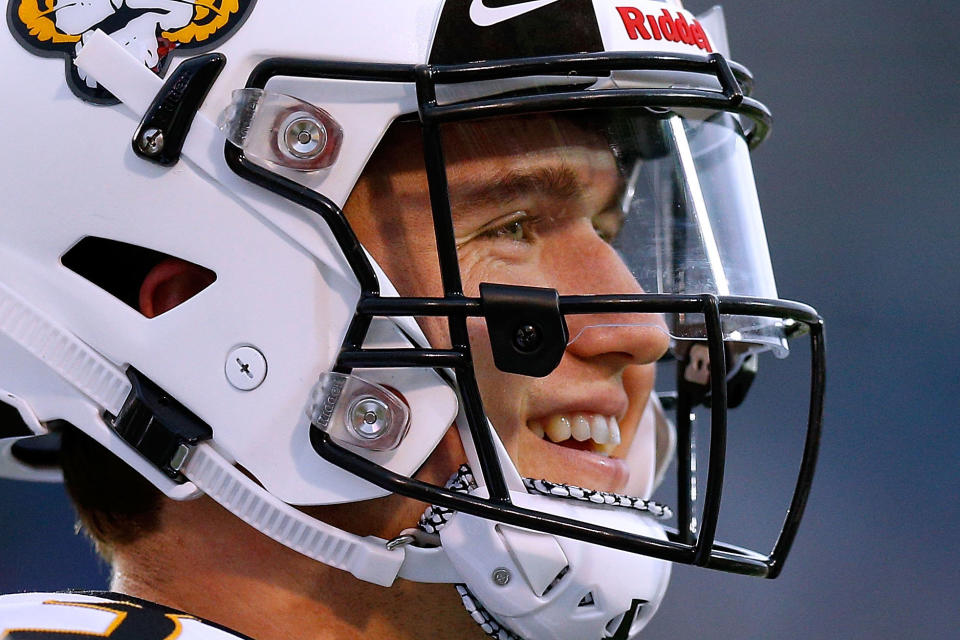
{"x": 560, "y": 576}
{"x": 614, "y": 623}
{"x": 623, "y": 625}
{"x": 121, "y": 269}
{"x": 587, "y": 600}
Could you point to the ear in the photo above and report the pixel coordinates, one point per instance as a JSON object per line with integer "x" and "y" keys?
{"x": 171, "y": 282}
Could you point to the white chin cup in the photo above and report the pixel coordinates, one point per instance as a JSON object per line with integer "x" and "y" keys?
{"x": 542, "y": 586}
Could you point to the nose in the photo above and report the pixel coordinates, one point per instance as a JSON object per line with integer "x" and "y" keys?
{"x": 595, "y": 267}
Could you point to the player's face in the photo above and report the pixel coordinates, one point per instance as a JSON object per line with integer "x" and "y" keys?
{"x": 532, "y": 199}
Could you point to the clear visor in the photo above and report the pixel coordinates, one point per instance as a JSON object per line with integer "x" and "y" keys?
{"x": 615, "y": 202}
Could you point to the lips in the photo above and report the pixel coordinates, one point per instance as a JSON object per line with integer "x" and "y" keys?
{"x": 581, "y": 430}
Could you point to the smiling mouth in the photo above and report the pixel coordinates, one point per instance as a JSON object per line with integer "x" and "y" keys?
{"x": 583, "y": 431}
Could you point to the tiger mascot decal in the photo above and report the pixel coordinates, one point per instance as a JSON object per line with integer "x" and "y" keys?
{"x": 151, "y": 30}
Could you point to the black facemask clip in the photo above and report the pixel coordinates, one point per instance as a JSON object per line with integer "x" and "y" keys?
{"x": 528, "y": 334}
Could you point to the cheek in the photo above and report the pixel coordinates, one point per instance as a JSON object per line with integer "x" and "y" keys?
{"x": 436, "y": 330}
{"x": 474, "y": 269}
{"x": 392, "y": 224}
{"x": 521, "y": 267}
{"x": 503, "y": 394}
{"x": 410, "y": 262}
{"x": 638, "y": 381}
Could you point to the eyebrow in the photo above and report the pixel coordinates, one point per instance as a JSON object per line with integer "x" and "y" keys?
{"x": 561, "y": 181}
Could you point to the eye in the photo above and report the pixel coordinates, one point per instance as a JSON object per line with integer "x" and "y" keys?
{"x": 512, "y": 230}
{"x": 608, "y": 224}
{"x": 513, "y": 227}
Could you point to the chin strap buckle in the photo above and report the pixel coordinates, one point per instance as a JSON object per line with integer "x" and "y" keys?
{"x": 161, "y": 429}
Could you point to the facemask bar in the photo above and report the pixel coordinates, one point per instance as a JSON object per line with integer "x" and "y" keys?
{"x": 700, "y": 549}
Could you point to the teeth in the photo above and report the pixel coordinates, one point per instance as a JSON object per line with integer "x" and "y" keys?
{"x": 604, "y": 431}
{"x": 614, "y": 431}
{"x": 537, "y": 429}
{"x": 605, "y": 450}
{"x": 599, "y": 429}
{"x": 558, "y": 428}
{"x": 580, "y": 428}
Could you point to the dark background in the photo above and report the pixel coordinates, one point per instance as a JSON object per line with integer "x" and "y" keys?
{"x": 858, "y": 184}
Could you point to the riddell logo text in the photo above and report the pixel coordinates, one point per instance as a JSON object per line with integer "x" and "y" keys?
{"x": 664, "y": 27}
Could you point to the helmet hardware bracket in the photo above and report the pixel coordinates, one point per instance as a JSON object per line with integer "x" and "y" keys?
{"x": 528, "y": 334}
{"x": 165, "y": 125}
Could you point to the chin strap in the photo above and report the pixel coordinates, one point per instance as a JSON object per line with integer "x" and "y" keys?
{"x": 367, "y": 558}
{"x": 435, "y": 517}
{"x": 432, "y": 520}
{"x": 60, "y": 350}
{"x": 104, "y": 384}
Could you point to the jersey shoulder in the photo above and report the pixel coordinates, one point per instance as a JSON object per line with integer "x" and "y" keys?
{"x": 35, "y": 616}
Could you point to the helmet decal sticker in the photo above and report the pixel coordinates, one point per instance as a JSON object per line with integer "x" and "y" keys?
{"x": 485, "y": 16}
{"x": 151, "y": 30}
{"x": 663, "y": 27}
{"x": 470, "y": 30}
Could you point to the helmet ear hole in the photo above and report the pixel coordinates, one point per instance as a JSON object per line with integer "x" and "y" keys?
{"x": 170, "y": 283}
{"x": 148, "y": 281}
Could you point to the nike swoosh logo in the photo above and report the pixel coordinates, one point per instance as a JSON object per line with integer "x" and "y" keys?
{"x": 484, "y": 16}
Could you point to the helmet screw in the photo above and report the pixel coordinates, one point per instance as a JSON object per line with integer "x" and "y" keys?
{"x": 368, "y": 418}
{"x": 527, "y": 338}
{"x": 501, "y": 576}
{"x": 151, "y": 142}
{"x": 305, "y": 138}
{"x": 246, "y": 368}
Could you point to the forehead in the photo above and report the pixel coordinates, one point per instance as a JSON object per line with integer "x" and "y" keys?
{"x": 519, "y": 137}
{"x": 517, "y": 140}
{"x": 493, "y": 164}
{"x": 487, "y": 162}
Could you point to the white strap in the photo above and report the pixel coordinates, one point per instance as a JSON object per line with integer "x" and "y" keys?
{"x": 423, "y": 564}
{"x": 367, "y": 558}
{"x": 71, "y": 358}
{"x": 105, "y": 60}
{"x": 136, "y": 86}
{"x": 101, "y": 381}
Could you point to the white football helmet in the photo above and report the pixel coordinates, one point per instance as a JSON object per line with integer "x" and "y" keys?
{"x": 335, "y": 343}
